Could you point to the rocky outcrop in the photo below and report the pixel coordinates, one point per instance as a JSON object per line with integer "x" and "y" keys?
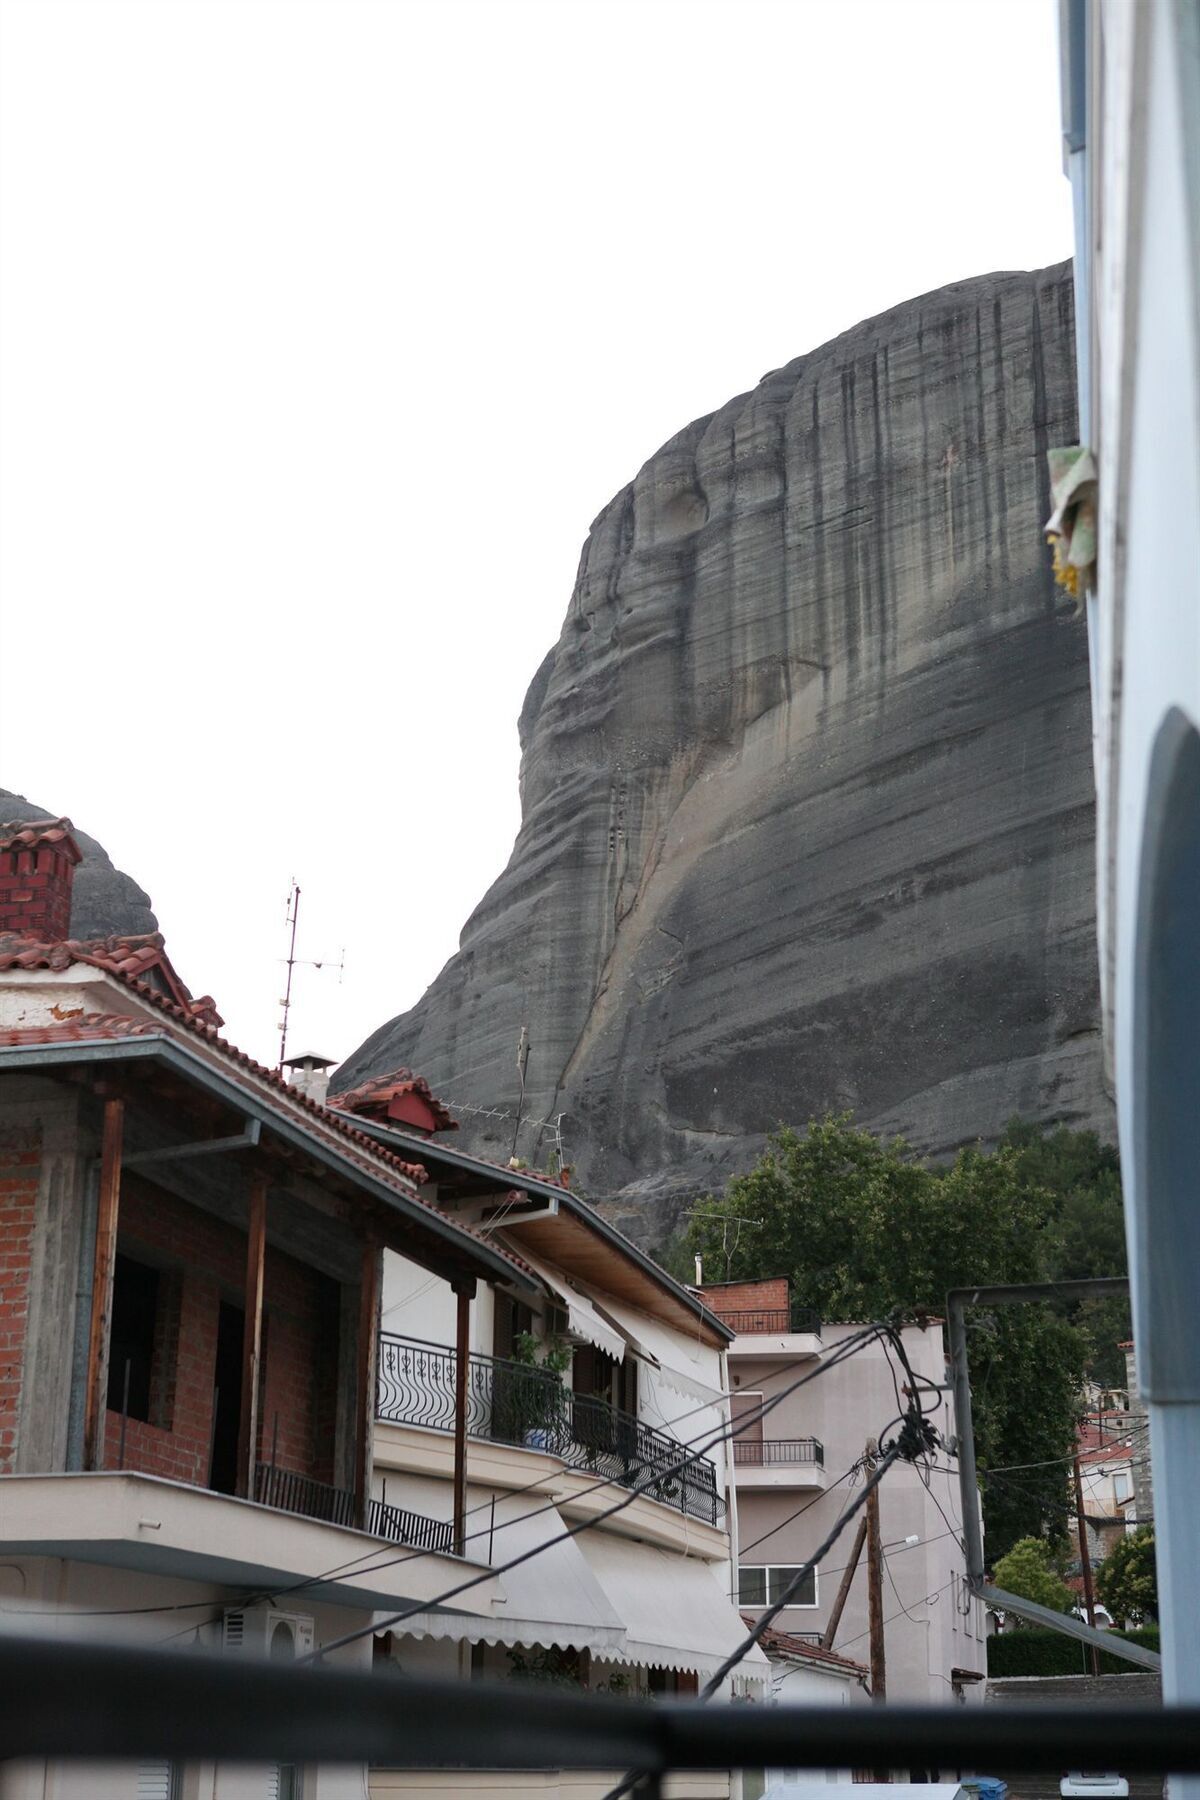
{"x": 806, "y": 781}
{"x": 104, "y": 900}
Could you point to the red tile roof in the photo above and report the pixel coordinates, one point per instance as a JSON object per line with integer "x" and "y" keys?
{"x": 28, "y": 834}
{"x": 131, "y": 958}
{"x": 371, "y": 1097}
{"x": 783, "y": 1643}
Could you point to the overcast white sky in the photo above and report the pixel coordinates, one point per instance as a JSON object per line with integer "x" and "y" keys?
{"x": 327, "y": 327}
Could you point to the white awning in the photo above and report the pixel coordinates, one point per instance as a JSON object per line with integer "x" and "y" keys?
{"x": 582, "y": 1317}
{"x": 676, "y": 1614}
{"x": 690, "y": 1368}
{"x": 553, "y": 1600}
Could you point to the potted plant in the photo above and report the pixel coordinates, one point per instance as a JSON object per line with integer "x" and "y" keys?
{"x": 537, "y": 1398}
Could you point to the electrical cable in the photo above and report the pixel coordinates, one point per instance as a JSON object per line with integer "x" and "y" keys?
{"x": 762, "y": 1624}
{"x": 387, "y": 1624}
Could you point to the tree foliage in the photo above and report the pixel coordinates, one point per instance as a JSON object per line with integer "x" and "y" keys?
{"x": 864, "y": 1229}
{"x": 1027, "y": 1572}
{"x": 1128, "y": 1578}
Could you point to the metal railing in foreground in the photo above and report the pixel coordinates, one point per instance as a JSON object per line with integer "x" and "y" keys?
{"x": 289, "y": 1492}
{"x": 131, "y": 1703}
{"x": 514, "y": 1403}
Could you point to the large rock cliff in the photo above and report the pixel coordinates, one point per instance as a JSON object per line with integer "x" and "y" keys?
{"x": 806, "y": 781}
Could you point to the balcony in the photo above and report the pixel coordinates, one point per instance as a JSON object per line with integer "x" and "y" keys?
{"x": 771, "y": 1321}
{"x": 514, "y": 1403}
{"x": 289, "y": 1492}
{"x": 771, "y": 1452}
{"x": 779, "y": 1463}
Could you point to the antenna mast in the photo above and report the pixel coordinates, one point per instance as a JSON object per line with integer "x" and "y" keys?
{"x": 295, "y": 962}
{"x": 293, "y": 914}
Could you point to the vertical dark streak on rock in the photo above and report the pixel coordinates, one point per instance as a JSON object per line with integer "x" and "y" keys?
{"x": 806, "y": 798}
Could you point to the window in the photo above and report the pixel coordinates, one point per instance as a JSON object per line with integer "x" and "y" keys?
{"x": 760, "y": 1585}
{"x": 1123, "y": 1486}
{"x": 284, "y": 1782}
{"x": 135, "y": 1310}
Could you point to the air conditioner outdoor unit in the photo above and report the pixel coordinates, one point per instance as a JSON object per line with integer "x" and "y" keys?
{"x": 262, "y": 1631}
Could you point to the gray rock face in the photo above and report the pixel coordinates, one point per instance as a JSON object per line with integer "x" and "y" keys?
{"x": 104, "y": 900}
{"x": 806, "y": 781}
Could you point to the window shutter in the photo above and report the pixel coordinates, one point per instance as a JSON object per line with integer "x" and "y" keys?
{"x": 156, "y": 1781}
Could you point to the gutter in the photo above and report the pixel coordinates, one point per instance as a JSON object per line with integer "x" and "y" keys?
{"x": 247, "y": 1100}
{"x": 429, "y": 1153}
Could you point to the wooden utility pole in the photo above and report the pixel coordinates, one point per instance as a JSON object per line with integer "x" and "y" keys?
{"x": 875, "y": 1597}
{"x": 1089, "y": 1596}
{"x": 875, "y": 1593}
{"x": 843, "y": 1593}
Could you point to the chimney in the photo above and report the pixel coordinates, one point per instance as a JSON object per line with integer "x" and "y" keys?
{"x": 309, "y": 1074}
{"x": 37, "y": 868}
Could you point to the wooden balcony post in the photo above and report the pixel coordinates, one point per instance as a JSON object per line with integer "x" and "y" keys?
{"x": 462, "y": 1359}
{"x": 108, "y": 1211}
{"x": 365, "y": 1379}
{"x": 256, "y": 1248}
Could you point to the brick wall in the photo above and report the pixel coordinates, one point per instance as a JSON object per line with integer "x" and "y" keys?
{"x": 203, "y": 1260}
{"x": 20, "y": 1168}
{"x": 738, "y": 1301}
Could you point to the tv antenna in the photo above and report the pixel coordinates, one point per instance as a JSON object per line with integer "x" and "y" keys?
{"x": 295, "y": 962}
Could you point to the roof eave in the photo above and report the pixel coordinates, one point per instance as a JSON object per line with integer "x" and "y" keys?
{"x": 432, "y": 1153}
{"x": 297, "y": 1132}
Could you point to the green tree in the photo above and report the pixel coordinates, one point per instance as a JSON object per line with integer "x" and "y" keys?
{"x": 1027, "y": 1571}
{"x": 1128, "y": 1578}
{"x": 864, "y": 1230}
{"x": 1085, "y": 1233}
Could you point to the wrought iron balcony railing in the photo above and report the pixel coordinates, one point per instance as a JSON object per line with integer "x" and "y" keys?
{"x": 767, "y": 1320}
{"x": 774, "y": 1452}
{"x": 293, "y": 1493}
{"x": 512, "y": 1403}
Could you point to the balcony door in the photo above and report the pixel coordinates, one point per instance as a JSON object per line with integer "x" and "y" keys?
{"x": 227, "y": 1400}
{"x": 748, "y": 1428}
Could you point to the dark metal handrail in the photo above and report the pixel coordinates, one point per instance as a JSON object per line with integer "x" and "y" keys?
{"x": 289, "y": 1492}
{"x": 765, "y": 1321}
{"x": 515, "y": 1403}
{"x": 772, "y": 1451}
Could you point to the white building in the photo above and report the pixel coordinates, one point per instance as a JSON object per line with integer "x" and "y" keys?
{"x": 587, "y": 1397}
{"x": 794, "y": 1472}
{"x": 1131, "y": 93}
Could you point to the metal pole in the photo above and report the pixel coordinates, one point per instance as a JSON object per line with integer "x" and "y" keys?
{"x": 124, "y": 1416}
{"x": 1085, "y": 1561}
{"x": 462, "y": 1352}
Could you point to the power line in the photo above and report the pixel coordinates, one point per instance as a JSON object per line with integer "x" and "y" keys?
{"x": 599, "y": 1518}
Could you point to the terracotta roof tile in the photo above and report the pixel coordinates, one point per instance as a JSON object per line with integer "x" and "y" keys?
{"x": 371, "y": 1097}
{"x": 28, "y": 834}
{"x": 784, "y": 1643}
{"x": 128, "y": 957}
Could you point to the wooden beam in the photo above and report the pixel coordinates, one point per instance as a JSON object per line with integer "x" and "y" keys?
{"x": 462, "y": 1358}
{"x": 107, "y": 1214}
{"x": 256, "y": 1253}
{"x": 843, "y": 1593}
{"x": 364, "y": 1395}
